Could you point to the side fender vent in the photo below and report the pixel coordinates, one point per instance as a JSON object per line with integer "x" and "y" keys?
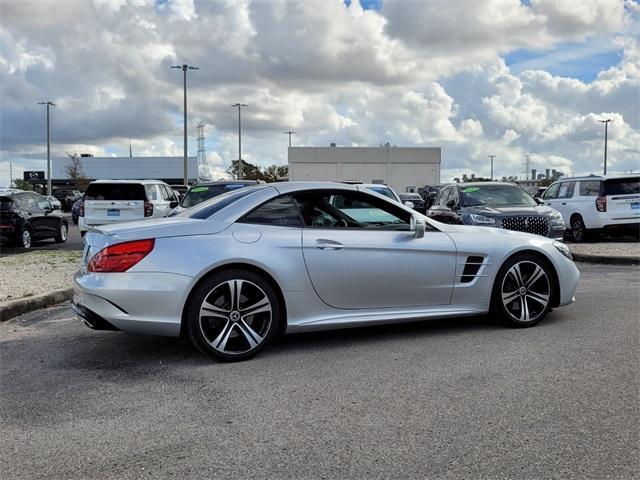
{"x": 471, "y": 269}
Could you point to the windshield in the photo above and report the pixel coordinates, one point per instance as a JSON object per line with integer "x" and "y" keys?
{"x": 496, "y": 195}
{"x": 200, "y": 193}
{"x": 383, "y": 190}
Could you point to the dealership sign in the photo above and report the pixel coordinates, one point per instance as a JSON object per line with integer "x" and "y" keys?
{"x": 34, "y": 176}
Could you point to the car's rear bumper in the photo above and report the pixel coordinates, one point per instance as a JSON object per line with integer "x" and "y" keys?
{"x": 140, "y": 302}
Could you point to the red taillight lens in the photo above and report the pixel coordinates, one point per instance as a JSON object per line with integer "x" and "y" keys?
{"x": 148, "y": 209}
{"x": 81, "y": 210}
{"x": 601, "y": 204}
{"x": 121, "y": 256}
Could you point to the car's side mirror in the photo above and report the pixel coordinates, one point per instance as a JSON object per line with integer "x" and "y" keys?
{"x": 409, "y": 204}
{"x": 48, "y": 209}
{"x": 173, "y": 204}
{"x": 418, "y": 226}
{"x": 539, "y": 201}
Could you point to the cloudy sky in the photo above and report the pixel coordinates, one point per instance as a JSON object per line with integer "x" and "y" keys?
{"x": 502, "y": 77}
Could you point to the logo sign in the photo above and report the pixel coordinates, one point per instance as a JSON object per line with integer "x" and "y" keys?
{"x": 33, "y": 176}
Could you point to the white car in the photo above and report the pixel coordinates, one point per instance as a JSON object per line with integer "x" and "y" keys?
{"x": 593, "y": 204}
{"x": 116, "y": 201}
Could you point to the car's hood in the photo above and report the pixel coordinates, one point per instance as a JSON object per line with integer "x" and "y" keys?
{"x": 161, "y": 227}
{"x": 492, "y": 211}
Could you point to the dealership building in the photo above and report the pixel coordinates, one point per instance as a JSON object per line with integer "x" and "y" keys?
{"x": 405, "y": 169}
{"x": 168, "y": 169}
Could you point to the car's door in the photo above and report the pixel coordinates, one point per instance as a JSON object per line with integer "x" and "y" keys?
{"x": 36, "y": 213}
{"x": 550, "y": 194}
{"x": 360, "y": 253}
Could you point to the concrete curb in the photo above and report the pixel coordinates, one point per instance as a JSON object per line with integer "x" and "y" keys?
{"x": 605, "y": 260}
{"x": 29, "y": 304}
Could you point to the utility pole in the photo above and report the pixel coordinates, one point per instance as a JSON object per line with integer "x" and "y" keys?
{"x": 239, "y": 105}
{"x": 130, "y": 151}
{"x": 606, "y": 125}
{"x": 289, "y": 133}
{"x": 48, "y": 104}
{"x": 184, "y": 68}
{"x": 492, "y": 157}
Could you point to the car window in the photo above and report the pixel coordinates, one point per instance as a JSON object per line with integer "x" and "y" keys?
{"x": 152, "y": 192}
{"x": 566, "y": 190}
{"x": 29, "y": 202}
{"x": 166, "y": 193}
{"x": 551, "y": 192}
{"x": 344, "y": 209}
{"x": 115, "y": 191}
{"x": 383, "y": 190}
{"x": 453, "y": 195}
{"x": 589, "y": 188}
{"x": 622, "y": 186}
{"x": 281, "y": 211}
{"x": 206, "y": 209}
{"x": 441, "y": 197}
{"x": 43, "y": 203}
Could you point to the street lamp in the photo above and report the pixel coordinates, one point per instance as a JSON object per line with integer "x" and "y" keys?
{"x": 289, "y": 133}
{"x": 239, "y": 105}
{"x": 492, "y": 157}
{"x": 184, "y": 68}
{"x": 606, "y": 125}
{"x": 48, "y": 104}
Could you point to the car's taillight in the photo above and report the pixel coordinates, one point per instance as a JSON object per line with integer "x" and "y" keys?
{"x": 81, "y": 210}
{"x": 601, "y": 204}
{"x": 121, "y": 256}
{"x": 148, "y": 209}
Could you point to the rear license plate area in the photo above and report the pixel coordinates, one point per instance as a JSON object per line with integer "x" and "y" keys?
{"x": 635, "y": 205}
{"x": 113, "y": 212}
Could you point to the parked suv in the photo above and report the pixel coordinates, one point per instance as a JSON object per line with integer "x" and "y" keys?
{"x": 496, "y": 204}
{"x": 590, "y": 205}
{"x": 28, "y": 216}
{"x": 115, "y": 201}
{"x": 413, "y": 199}
{"x": 67, "y": 197}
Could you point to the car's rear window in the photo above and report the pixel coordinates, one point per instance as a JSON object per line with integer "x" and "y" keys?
{"x": 5, "y": 203}
{"x": 207, "y": 208}
{"x": 622, "y": 186}
{"x": 115, "y": 191}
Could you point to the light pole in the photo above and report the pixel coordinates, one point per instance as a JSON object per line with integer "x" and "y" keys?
{"x": 184, "y": 68}
{"x": 606, "y": 125}
{"x": 239, "y": 105}
{"x": 48, "y": 104}
{"x": 492, "y": 157}
{"x": 289, "y": 133}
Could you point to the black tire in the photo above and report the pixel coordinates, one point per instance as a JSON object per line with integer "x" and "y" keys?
{"x": 511, "y": 312}
{"x": 24, "y": 238}
{"x": 229, "y": 334}
{"x": 62, "y": 233}
{"x": 579, "y": 232}
{"x": 82, "y": 233}
{"x": 74, "y": 219}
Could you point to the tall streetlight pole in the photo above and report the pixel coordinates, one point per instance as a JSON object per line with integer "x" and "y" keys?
{"x": 48, "y": 104}
{"x": 492, "y": 157}
{"x": 606, "y": 125}
{"x": 239, "y": 105}
{"x": 289, "y": 133}
{"x": 184, "y": 68}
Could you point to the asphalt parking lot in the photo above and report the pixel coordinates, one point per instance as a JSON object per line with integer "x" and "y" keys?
{"x": 74, "y": 242}
{"x": 460, "y": 398}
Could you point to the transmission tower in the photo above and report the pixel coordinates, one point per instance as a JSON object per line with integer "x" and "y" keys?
{"x": 203, "y": 170}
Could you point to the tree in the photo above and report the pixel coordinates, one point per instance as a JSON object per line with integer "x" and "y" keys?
{"x": 76, "y": 174}
{"x": 275, "y": 173}
{"x": 249, "y": 171}
{"x": 23, "y": 184}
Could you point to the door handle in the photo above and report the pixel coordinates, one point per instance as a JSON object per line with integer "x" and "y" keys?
{"x": 323, "y": 244}
{"x": 564, "y": 203}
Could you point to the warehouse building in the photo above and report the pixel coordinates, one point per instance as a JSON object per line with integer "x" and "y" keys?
{"x": 405, "y": 169}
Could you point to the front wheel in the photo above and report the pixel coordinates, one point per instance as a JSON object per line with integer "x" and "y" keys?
{"x": 233, "y": 315}
{"x": 62, "y": 233}
{"x": 522, "y": 291}
{"x": 24, "y": 238}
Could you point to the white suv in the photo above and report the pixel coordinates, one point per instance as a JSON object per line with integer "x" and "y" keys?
{"x": 114, "y": 201}
{"x": 590, "y": 205}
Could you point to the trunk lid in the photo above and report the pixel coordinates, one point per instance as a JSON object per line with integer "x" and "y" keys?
{"x": 113, "y": 203}
{"x": 623, "y": 197}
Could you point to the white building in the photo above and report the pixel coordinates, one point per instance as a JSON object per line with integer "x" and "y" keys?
{"x": 169, "y": 169}
{"x": 405, "y": 169}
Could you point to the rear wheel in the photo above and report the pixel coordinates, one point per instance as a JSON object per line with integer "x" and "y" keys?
{"x": 62, "y": 233}
{"x": 522, "y": 291}
{"x": 233, "y": 315}
{"x": 24, "y": 238}
{"x": 579, "y": 232}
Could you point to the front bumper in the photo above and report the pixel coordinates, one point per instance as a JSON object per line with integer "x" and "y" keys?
{"x": 138, "y": 302}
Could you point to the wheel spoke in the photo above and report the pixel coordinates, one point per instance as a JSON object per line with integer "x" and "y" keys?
{"x": 221, "y": 340}
{"x": 535, "y": 276}
{"x": 214, "y": 311}
{"x": 509, "y": 297}
{"x": 260, "y": 306}
{"x": 236, "y": 289}
{"x": 524, "y": 312}
{"x": 541, "y": 298}
{"x": 252, "y": 337}
{"x": 515, "y": 273}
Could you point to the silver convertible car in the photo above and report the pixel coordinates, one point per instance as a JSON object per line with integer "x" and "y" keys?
{"x": 234, "y": 271}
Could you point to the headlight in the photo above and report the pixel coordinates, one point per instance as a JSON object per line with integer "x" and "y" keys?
{"x": 475, "y": 218}
{"x": 563, "y": 249}
{"x": 557, "y": 218}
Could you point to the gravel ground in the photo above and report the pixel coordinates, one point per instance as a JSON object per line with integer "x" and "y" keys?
{"x": 607, "y": 249}
{"x": 37, "y": 272}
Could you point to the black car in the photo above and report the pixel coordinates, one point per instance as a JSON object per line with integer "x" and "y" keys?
{"x": 429, "y": 193}
{"x": 496, "y": 204}
{"x": 415, "y": 199}
{"x": 67, "y": 197}
{"x": 28, "y": 216}
{"x": 76, "y": 209}
{"x": 200, "y": 192}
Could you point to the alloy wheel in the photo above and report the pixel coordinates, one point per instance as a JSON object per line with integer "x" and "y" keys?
{"x": 26, "y": 239}
{"x": 526, "y": 291}
{"x": 235, "y": 317}
{"x": 577, "y": 229}
{"x": 63, "y": 232}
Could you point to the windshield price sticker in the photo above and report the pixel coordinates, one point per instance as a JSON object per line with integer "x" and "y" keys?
{"x": 471, "y": 189}
{"x": 199, "y": 189}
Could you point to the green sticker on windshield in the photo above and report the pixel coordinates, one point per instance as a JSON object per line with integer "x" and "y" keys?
{"x": 471, "y": 189}
{"x": 199, "y": 189}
